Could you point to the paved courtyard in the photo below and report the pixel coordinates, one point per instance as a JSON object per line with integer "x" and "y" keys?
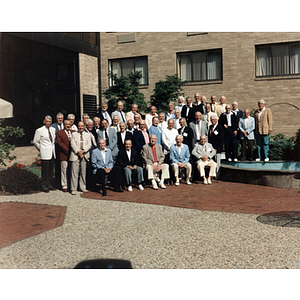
{"x": 226, "y": 225}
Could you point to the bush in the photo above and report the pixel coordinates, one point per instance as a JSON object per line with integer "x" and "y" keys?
{"x": 281, "y": 147}
{"x": 165, "y": 91}
{"x": 19, "y": 181}
{"x": 125, "y": 89}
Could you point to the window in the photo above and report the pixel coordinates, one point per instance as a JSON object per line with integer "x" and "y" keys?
{"x": 200, "y": 65}
{"x": 278, "y": 60}
{"x": 124, "y": 66}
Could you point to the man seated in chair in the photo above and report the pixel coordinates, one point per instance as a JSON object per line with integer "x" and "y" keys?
{"x": 154, "y": 158}
{"x": 104, "y": 168}
{"x": 130, "y": 162}
{"x": 179, "y": 158}
{"x": 204, "y": 152}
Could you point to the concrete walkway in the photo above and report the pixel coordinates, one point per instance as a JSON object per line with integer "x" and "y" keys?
{"x": 159, "y": 235}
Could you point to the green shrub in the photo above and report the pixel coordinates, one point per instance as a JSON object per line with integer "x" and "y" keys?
{"x": 281, "y": 147}
{"x": 19, "y": 181}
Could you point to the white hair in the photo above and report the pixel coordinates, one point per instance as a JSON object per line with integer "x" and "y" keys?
{"x": 48, "y": 117}
{"x": 88, "y": 121}
{"x": 71, "y": 115}
{"x": 59, "y": 114}
{"x": 262, "y": 101}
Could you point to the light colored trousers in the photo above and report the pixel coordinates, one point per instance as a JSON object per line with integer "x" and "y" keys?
{"x": 188, "y": 168}
{"x": 213, "y": 166}
{"x": 64, "y": 174}
{"x": 164, "y": 172}
{"x": 128, "y": 175}
{"x": 74, "y": 174}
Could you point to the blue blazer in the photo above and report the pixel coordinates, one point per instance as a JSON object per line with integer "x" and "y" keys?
{"x": 97, "y": 159}
{"x": 250, "y": 129}
{"x": 184, "y": 156}
{"x": 155, "y": 130}
{"x": 112, "y": 138}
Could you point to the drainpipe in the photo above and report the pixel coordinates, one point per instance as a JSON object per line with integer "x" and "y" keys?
{"x": 99, "y": 68}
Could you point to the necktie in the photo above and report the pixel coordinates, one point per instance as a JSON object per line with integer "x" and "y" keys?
{"x": 122, "y": 116}
{"x": 106, "y": 137}
{"x": 199, "y": 128}
{"x": 81, "y": 141}
{"x": 50, "y": 136}
{"x": 69, "y": 135}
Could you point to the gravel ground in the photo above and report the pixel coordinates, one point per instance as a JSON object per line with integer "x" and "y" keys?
{"x": 151, "y": 237}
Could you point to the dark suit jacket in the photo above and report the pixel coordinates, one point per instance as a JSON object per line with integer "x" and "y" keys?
{"x": 95, "y": 134}
{"x": 124, "y": 161}
{"x": 64, "y": 144}
{"x": 216, "y": 138}
{"x": 128, "y": 136}
{"x": 191, "y": 115}
{"x": 139, "y": 140}
{"x": 223, "y": 120}
{"x": 100, "y": 115}
{"x": 187, "y": 136}
{"x": 239, "y": 115}
{"x": 201, "y": 108}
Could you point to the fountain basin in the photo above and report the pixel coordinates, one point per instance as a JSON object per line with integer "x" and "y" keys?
{"x": 280, "y": 174}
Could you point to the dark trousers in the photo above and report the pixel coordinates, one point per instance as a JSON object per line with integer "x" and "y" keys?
{"x": 115, "y": 176}
{"x": 57, "y": 167}
{"x": 230, "y": 143}
{"x": 247, "y": 148}
{"x": 47, "y": 173}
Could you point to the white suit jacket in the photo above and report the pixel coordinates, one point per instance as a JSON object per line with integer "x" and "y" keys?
{"x": 168, "y": 138}
{"x": 75, "y": 145}
{"x": 43, "y": 143}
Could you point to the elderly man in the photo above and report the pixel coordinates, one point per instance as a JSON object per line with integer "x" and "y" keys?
{"x": 170, "y": 114}
{"x": 137, "y": 118}
{"x": 119, "y": 112}
{"x": 238, "y": 113}
{"x": 124, "y": 135}
{"x": 204, "y": 152}
{"x": 180, "y": 103}
{"x": 104, "y": 114}
{"x": 197, "y": 99}
{"x": 229, "y": 123}
{"x": 110, "y": 137}
{"x": 154, "y": 158}
{"x": 187, "y": 133}
{"x": 115, "y": 124}
{"x": 104, "y": 167}
{"x": 202, "y": 106}
{"x": 247, "y": 127}
{"x": 213, "y": 100}
{"x": 85, "y": 117}
{"x": 155, "y": 129}
{"x": 162, "y": 124}
{"x": 263, "y": 128}
{"x": 168, "y": 136}
{"x": 81, "y": 144}
{"x": 150, "y": 116}
{"x": 57, "y": 126}
{"x": 63, "y": 138}
{"x": 188, "y": 110}
{"x": 130, "y": 114}
{"x": 177, "y": 118}
{"x": 199, "y": 128}
{"x": 141, "y": 137}
{"x": 96, "y": 127}
{"x": 43, "y": 140}
{"x": 130, "y": 126}
{"x": 216, "y": 138}
{"x": 131, "y": 162}
{"x": 179, "y": 158}
{"x": 71, "y": 118}
{"x": 220, "y": 108}
{"x": 207, "y": 116}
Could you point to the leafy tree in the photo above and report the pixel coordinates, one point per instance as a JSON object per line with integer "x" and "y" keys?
{"x": 165, "y": 91}
{"x": 126, "y": 89}
{"x": 5, "y": 147}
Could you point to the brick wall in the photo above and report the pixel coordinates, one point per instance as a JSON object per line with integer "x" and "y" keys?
{"x": 239, "y": 82}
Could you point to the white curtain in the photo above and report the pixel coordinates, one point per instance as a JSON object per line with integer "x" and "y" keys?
{"x": 141, "y": 66}
{"x": 281, "y": 61}
{"x": 263, "y": 62}
{"x": 127, "y": 66}
{"x": 213, "y": 66}
{"x": 185, "y": 68}
{"x": 295, "y": 59}
{"x": 199, "y": 66}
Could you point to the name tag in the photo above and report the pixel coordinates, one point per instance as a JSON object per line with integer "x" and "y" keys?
{"x": 216, "y": 132}
{"x": 185, "y": 134}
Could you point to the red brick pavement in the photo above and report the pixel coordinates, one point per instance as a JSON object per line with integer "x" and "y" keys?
{"x": 220, "y": 196}
{"x": 19, "y": 220}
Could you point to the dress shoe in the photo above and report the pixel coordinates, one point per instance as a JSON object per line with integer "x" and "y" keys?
{"x": 177, "y": 181}
{"x": 235, "y": 160}
{"x": 229, "y": 159}
{"x": 65, "y": 190}
{"x": 129, "y": 188}
{"x": 162, "y": 186}
{"x": 118, "y": 189}
{"x": 46, "y": 191}
{"x": 208, "y": 180}
{"x": 83, "y": 190}
{"x": 267, "y": 159}
{"x": 204, "y": 180}
{"x": 141, "y": 188}
{"x": 52, "y": 188}
{"x": 103, "y": 192}
{"x": 154, "y": 185}
{"x": 258, "y": 159}
{"x": 73, "y": 193}
{"x": 188, "y": 182}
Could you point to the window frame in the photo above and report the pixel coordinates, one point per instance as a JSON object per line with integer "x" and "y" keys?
{"x": 209, "y": 51}
{"x": 270, "y": 49}
{"x": 120, "y": 60}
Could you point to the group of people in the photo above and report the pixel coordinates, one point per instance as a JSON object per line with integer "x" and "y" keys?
{"x": 167, "y": 146}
